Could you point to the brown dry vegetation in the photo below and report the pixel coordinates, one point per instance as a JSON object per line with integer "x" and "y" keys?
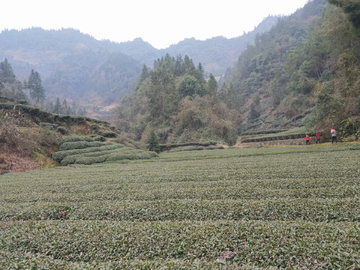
{"x": 25, "y": 144}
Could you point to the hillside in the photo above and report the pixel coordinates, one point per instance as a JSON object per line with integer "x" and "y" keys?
{"x": 304, "y": 71}
{"x": 93, "y": 73}
{"x": 29, "y": 137}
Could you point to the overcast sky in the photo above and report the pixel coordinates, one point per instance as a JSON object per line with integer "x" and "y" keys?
{"x": 159, "y": 22}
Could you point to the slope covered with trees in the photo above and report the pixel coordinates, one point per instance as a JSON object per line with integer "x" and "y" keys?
{"x": 307, "y": 66}
{"x": 175, "y": 100}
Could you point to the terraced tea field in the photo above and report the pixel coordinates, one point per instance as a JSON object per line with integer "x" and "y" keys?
{"x": 291, "y": 207}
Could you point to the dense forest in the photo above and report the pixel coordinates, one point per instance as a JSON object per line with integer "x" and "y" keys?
{"x": 307, "y": 66}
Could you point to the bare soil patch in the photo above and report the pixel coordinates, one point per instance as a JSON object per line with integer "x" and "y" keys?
{"x": 13, "y": 163}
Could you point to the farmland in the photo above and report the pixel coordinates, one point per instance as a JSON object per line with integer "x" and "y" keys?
{"x": 253, "y": 207}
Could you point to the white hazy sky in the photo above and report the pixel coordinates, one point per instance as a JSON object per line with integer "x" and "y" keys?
{"x": 159, "y": 22}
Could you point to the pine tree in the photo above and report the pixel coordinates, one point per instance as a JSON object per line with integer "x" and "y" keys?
{"x": 212, "y": 85}
{"x": 144, "y": 73}
{"x": 34, "y": 83}
{"x": 58, "y": 108}
{"x": 6, "y": 72}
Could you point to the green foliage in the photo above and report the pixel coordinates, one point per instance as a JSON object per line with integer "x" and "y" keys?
{"x": 189, "y": 86}
{"x": 351, "y": 8}
{"x": 153, "y": 142}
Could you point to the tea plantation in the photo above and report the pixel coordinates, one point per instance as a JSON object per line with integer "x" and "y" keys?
{"x": 272, "y": 208}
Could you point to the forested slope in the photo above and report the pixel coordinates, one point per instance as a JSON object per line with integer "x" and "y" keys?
{"x": 307, "y": 65}
{"x": 176, "y": 102}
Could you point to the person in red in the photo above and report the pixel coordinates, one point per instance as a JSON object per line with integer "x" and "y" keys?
{"x": 317, "y": 137}
{"x": 307, "y": 138}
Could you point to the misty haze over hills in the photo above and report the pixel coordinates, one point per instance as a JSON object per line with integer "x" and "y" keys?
{"x": 76, "y": 66}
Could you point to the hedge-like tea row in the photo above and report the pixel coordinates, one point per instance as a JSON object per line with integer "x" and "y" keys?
{"x": 164, "y": 147}
{"x": 88, "y": 150}
{"x": 262, "y": 131}
{"x": 123, "y": 153}
{"x": 81, "y": 145}
{"x": 60, "y": 155}
{"x": 280, "y": 244}
{"x": 316, "y": 210}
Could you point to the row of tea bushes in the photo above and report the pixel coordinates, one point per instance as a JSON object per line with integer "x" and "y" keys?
{"x": 195, "y": 148}
{"x": 164, "y": 147}
{"x": 88, "y": 150}
{"x": 296, "y": 133}
{"x": 281, "y": 244}
{"x": 262, "y": 131}
{"x": 123, "y": 208}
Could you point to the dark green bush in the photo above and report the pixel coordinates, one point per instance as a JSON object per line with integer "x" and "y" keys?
{"x": 62, "y": 130}
{"x": 107, "y": 134}
{"x": 214, "y": 147}
{"x": 95, "y": 127}
{"x": 99, "y": 138}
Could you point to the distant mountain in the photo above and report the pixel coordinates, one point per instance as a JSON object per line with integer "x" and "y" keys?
{"x": 68, "y": 61}
{"x": 76, "y": 66}
{"x": 215, "y": 54}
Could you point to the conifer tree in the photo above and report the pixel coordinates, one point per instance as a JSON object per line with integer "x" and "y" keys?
{"x": 6, "y": 72}
{"x": 34, "y": 83}
{"x": 212, "y": 85}
{"x": 58, "y": 108}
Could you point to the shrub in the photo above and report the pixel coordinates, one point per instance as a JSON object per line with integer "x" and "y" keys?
{"x": 62, "y": 130}
{"x": 214, "y": 147}
{"x": 153, "y": 142}
{"x": 107, "y": 134}
{"x": 95, "y": 127}
{"x": 99, "y": 138}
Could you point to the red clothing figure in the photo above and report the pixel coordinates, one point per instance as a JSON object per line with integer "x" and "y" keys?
{"x": 307, "y": 138}
{"x": 317, "y": 137}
